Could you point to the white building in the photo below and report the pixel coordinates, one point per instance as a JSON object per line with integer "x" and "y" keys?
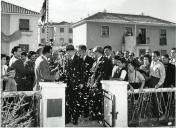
{"x": 18, "y": 28}
{"x": 135, "y": 33}
{"x": 61, "y": 33}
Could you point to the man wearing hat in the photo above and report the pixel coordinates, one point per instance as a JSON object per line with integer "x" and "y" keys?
{"x": 73, "y": 73}
{"x": 100, "y": 71}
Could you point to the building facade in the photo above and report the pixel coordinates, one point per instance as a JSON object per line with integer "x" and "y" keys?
{"x": 18, "y": 28}
{"x": 59, "y": 33}
{"x": 134, "y": 33}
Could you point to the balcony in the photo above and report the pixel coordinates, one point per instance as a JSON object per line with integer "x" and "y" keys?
{"x": 142, "y": 41}
{"x": 26, "y": 33}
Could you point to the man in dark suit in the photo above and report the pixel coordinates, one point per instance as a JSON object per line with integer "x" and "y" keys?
{"x": 74, "y": 80}
{"x": 42, "y": 71}
{"x": 21, "y": 72}
{"x": 100, "y": 71}
{"x": 108, "y": 52}
{"x": 170, "y": 72}
{"x": 29, "y": 65}
{"x": 168, "y": 83}
{"x": 87, "y": 65}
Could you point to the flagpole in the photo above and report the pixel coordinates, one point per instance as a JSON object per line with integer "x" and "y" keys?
{"x": 47, "y": 18}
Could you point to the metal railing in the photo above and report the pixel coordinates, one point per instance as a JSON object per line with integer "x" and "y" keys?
{"x": 151, "y": 107}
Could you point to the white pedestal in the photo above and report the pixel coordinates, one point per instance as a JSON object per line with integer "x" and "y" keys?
{"x": 119, "y": 90}
{"x": 52, "y": 105}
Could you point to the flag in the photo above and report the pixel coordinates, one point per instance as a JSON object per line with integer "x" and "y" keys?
{"x": 43, "y": 12}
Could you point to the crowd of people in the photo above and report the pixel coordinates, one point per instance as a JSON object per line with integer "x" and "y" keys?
{"x": 82, "y": 70}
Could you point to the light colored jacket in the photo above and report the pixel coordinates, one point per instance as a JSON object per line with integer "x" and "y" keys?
{"x": 42, "y": 71}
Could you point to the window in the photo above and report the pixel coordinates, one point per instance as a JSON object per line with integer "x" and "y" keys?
{"x": 163, "y": 52}
{"x": 24, "y": 47}
{"x": 42, "y": 41}
{"x": 43, "y": 30}
{"x": 128, "y": 31}
{"x": 61, "y": 30}
{"x": 105, "y": 31}
{"x": 163, "y": 40}
{"x": 24, "y": 24}
{"x": 70, "y": 40}
{"x": 70, "y": 30}
{"x": 141, "y": 38}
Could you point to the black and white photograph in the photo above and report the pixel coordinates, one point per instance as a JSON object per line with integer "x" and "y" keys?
{"x": 88, "y": 63}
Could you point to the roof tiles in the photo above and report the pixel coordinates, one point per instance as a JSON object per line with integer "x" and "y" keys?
{"x": 11, "y": 8}
{"x": 125, "y": 18}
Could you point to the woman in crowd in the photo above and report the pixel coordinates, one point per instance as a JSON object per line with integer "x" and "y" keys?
{"x": 145, "y": 69}
{"x": 141, "y": 60}
{"x": 135, "y": 78}
{"x": 3, "y": 70}
{"x": 7, "y": 75}
{"x": 3, "y": 65}
{"x": 119, "y": 70}
{"x": 10, "y": 84}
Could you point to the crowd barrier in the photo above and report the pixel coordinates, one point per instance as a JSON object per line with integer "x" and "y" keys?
{"x": 124, "y": 108}
{"x": 121, "y": 107}
{"x": 142, "y": 107}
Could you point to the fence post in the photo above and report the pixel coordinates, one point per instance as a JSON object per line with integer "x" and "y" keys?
{"x": 119, "y": 90}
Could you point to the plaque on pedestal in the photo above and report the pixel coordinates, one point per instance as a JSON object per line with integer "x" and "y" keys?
{"x": 52, "y": 104}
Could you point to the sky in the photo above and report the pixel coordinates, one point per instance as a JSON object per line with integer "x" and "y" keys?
{"x": 75, "y": 10}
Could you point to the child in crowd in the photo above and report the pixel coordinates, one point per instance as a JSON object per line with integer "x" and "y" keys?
{"x": 10, "y": 84}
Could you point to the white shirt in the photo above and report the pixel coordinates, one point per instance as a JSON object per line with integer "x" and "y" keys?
{"x": 157, "y": 69}
{"x": 84, "y": 57}
{"x": 99, "y": 58}
{"x": 123, "y": 74}
{"x": 173, "y": 61}
{"x": 72, "y": 57}
{"x": 116, "y": 69}
{"x": 4, "y": 70}
{"x": 13, "y": 59}
{"x": 135, "y": 77}
{"x": 45, "y": 58}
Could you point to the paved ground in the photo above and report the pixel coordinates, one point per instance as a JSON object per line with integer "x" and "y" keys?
{"x": 85, "y": 122}
{"x": 152, "y": 122}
